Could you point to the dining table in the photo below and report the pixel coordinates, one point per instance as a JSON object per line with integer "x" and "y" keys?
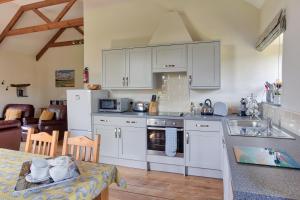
{"x": 93, "y": 182}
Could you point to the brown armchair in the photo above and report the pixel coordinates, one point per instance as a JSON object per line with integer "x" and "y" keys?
{"x": 10, "y": 134}
{"x": 58, "y": 123}
{"x": 27, "y": 111}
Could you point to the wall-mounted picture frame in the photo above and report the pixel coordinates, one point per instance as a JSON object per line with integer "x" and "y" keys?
{"x": 65, "y": 78}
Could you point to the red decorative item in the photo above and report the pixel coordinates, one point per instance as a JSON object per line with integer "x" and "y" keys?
{"x": 86, "y": 75}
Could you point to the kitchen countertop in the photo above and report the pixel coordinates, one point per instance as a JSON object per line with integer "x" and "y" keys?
{"x": 263, "y": 182}
{"x": 251, "y": 181}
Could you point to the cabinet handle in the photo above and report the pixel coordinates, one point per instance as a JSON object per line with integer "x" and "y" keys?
{"x": 127, "y": 81}
{"x": 202, "y": 125}
{"x": 133, "y": 122}
{"x": 120, "y": 133}
{"x": 187, "y": 138}
{"x": 102, "y": 120}
{"x": 116, "y": 136}
{"x": 123, "y": 82}
{"x": 128, "y": 122}
{"x": 190, "y": 80}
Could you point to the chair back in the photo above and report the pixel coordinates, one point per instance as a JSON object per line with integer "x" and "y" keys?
{"x": 41, "y": 143}
{"x": 81, "y": 147}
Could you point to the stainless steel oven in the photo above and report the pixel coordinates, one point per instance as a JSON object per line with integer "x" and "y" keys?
{"x": 156, "y": 135}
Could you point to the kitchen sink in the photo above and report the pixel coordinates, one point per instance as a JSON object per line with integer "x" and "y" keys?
{"x": 256, "y": 128}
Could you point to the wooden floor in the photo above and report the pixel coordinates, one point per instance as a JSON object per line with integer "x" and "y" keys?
{"x": 143, "y": 185}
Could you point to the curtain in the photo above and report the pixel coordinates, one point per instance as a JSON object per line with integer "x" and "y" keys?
{"x": 274, "y": 30}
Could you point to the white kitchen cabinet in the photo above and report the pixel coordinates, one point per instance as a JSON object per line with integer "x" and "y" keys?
{"x": 170, "y": 58}
{"x": 203, "y": 150}
{"x": 132, "y": 143}
{"x": 114, "y": 68}
{"x": 204, "y": 65}
{"x": 109, "y": 140}
{"x": 121, "y": 138}
{"x": 139, "y": 70}
{"x": 128, "y": 68}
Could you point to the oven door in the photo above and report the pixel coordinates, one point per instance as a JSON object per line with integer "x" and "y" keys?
{"x": 108, "y": 104}
{"x": 156, "y": 141}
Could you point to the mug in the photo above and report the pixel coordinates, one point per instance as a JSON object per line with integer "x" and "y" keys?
{"x": 39, "y": 168}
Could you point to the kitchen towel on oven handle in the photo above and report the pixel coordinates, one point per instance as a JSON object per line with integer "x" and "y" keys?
{"x": 171, "y": 142}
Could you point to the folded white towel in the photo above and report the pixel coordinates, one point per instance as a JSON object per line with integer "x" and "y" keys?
{"x": 171, "y": 142}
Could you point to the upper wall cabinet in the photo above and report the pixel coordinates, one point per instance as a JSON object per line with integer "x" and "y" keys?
{"x": 114, "y": 68}
{"x": 127, "y": 69}
{"x": 204, "y": 65}
{"x": 170, "y": 58}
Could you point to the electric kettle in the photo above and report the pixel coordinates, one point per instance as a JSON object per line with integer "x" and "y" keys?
{"x": 207, "y": 108}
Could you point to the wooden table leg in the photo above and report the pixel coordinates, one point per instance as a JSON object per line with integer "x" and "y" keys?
{"x": 104, "y": 195}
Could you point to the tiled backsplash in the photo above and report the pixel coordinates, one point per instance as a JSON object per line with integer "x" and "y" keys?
{"x": 280, "y": 116}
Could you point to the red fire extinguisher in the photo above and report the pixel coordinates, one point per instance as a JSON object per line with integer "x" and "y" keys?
{"x": 86, "y": 75}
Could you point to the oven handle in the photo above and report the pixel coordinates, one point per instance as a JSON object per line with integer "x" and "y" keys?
{"x": 162, "y": 129}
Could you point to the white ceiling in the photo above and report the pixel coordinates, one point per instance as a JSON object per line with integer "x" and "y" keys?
{"x": 31, "y": 44}
{"x": 256, "y": 3}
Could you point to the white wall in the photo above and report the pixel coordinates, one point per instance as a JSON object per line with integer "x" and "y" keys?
{"x": 291, "y": 49}
{"x": 16, "y": 69}
{"x": 68, "y": 58}
{"x": 234, "y": 22}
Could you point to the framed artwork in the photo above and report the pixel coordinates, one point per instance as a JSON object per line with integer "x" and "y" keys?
{"x": 65, "y": 78}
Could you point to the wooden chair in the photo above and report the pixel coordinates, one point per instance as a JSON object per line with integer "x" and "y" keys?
{"x": 41, "y": 143}
{"x": 82, "y": 148}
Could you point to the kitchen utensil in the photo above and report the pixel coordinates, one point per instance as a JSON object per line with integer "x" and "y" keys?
{"x": 140, "y": 106}
{"x": 243, "y": 107}
{"x": 207, "y": 108}
{"x": 153, "y": 107}
{"x": 220, "y": 109}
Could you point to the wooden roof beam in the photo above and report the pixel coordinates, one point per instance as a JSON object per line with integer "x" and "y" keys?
{"x": 11, "y": 24}
{"x": 64, "y": 11}
{"x": 42, "y": 4}
{"x": 41, "y": 15}
{"x": 5, "y": 1}
{"x": 51, "y": 41}
{"x": 46, "y": 27}
{"x": 67, "y": 43}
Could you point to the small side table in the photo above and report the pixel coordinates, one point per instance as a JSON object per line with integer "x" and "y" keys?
{"x": 25, "y": 128}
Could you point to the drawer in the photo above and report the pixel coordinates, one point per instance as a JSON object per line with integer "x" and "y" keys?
{"x": 209, "y": 126}
{"x": 119, "y": 121}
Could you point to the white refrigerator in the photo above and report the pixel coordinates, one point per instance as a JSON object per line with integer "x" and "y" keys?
{"x": 81, "y": 104}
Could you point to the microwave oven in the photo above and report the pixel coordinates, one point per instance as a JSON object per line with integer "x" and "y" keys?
{"x": 114, "y": 105}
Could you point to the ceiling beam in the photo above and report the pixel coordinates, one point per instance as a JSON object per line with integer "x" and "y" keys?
{"x": 11, "y": 24}
{"x": 79, "y": 30}
{"x": 64, "y": 11}
{"x": 51, "y": 41}
{"x": 67, "y": 43}
{"x": 5, "y": 1}
{"x": 46, "y": 27}
{"x": 42, "y": 4}
{"x": 41, "y": 15}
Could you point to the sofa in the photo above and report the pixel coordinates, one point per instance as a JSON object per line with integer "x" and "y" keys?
{"x": 27, "y": 111}
{"x": 10, "y": 134}
{"x": 59, "y": 122}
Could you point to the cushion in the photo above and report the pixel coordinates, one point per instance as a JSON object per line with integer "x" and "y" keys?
{"x": 46, "y": 115}
{"x": 13, "y": 114}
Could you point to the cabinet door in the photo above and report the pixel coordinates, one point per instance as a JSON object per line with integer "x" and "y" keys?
{"x": 204, "y": 65}
{"x": 114, "y": 68}
{"x": 139, "y": 72}
{"x": 132, "y": 143}
{"x": 109, "y": 140}
{"x": 172, "y": 58}
{"x": 203, "y": 149}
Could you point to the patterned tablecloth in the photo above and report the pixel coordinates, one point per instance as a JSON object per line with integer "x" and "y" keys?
{"x": 93, "y": 179}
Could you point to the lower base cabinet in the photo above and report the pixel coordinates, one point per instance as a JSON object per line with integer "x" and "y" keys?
{"x": 122, "y": 142}
{"x": 228, "y": 193}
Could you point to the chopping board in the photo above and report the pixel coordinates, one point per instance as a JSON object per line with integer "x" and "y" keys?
{"x": 264, "y": 156}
